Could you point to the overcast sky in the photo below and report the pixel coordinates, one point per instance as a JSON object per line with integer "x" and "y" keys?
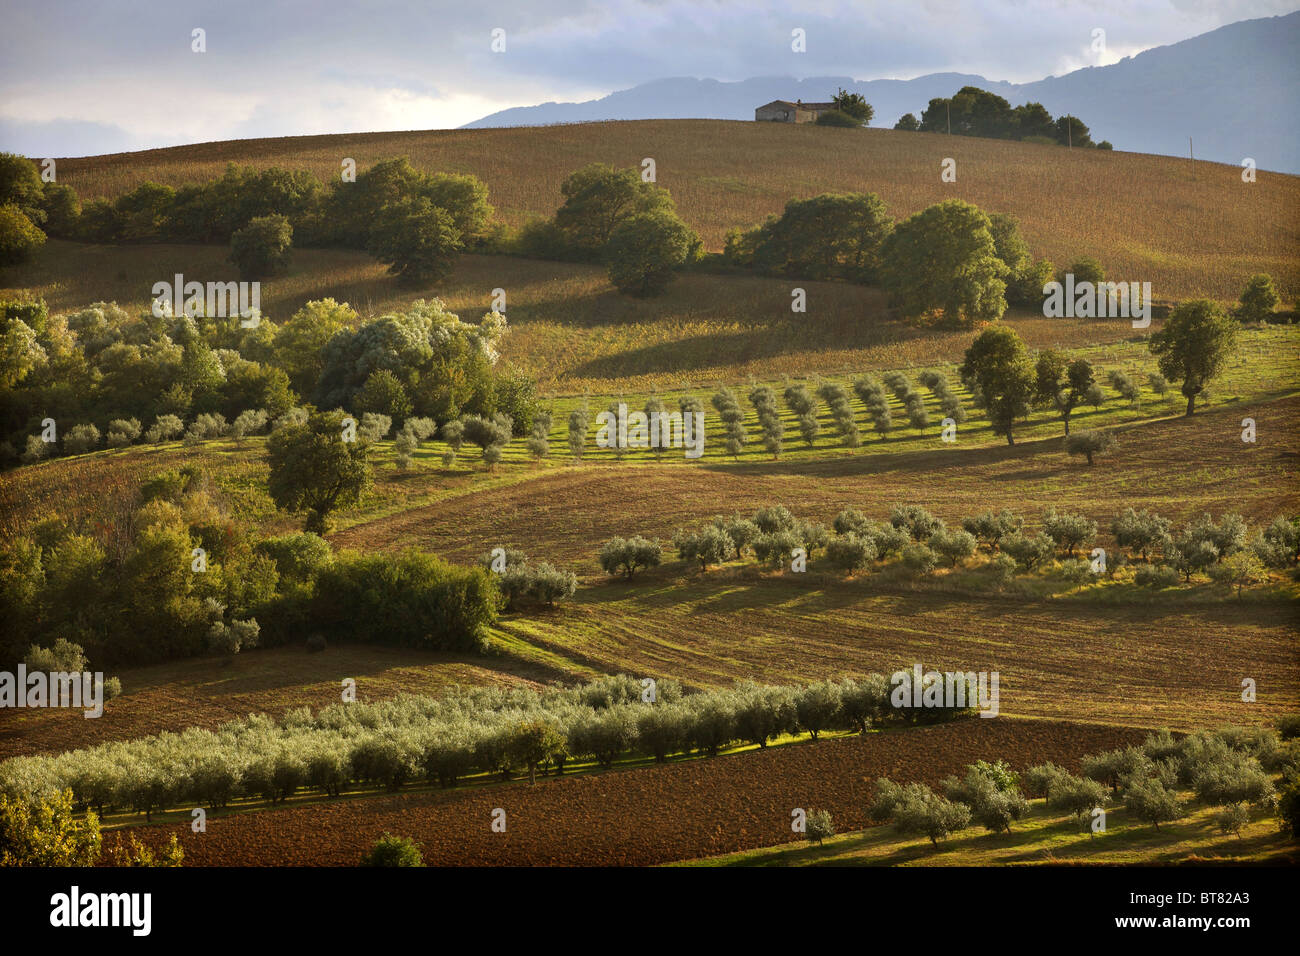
{"x": 102, "y": 76}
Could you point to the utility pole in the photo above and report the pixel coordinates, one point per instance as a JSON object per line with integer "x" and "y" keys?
{"x": 1069, "y": 132}
{"x": 947, "y": 108}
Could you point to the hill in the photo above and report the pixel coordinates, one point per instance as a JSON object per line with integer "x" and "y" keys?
{"x": 1188, "y": 228}
{"x": 1220, "y": 88}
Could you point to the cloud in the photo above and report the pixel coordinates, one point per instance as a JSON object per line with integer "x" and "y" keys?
{"x": 283, "y": 67}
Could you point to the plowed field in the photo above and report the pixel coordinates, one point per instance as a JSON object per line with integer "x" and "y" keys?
{"x": 636, "y": 817}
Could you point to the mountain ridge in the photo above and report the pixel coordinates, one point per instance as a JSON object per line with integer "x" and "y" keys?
{"x": 1214, "y": 88}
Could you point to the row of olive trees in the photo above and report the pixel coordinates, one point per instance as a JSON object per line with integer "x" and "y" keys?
{"x": 476, "y": 731}
{"x": 1230, "y": 768}
{"x": 921, "y": 541}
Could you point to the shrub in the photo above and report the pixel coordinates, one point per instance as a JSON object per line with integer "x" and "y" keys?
{"x": 850, "y": 552}
{"x": 992, "y": 528}
{"x": 81, "y": 439}
{"x": 1041, "y": 779}
{"x": 1288, "y": 805}
{"x": 122, "y": 431}
{"x": 918, "y": 559}
{"x": 316, "y": 643}
{"x": 46, "y": 833}
{"x": 817, "y": 706}
{"x": 1076, "y": 796}
{"x": 818, "y": 826}
{"x": 1156, "y": 576}
{"x": 1232, "y": 819}
{"x": 249, "y": 422}
{"x": 1258, "y": 299}
{"x": 391, "y": 850}
{"x": 952, "y": 544}
{"x": 408, "y": 599}
{"x": 915, "y": 520}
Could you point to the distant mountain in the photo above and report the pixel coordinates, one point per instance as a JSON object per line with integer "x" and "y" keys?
{"x": 1234, "y": 91}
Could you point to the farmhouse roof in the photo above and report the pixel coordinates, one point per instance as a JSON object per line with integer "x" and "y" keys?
{"x": 799, "y": 105}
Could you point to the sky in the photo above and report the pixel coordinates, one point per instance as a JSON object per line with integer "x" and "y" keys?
{"x": 80, "y": 78}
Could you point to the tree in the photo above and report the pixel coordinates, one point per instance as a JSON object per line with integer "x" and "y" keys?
{"x": 828, "y": 236}
{"x": 534, "y": 742}
{"x": 20, "y": 186}
{"x": 952, "y": 544}
{"x": 1239, "y": 570}
{"x": 19, "y": 236}
{"x": 628, "y": 555}
{"x": 1069, "y": 531}
{"x": 854, "y": 105}
{"x": 998, "y": 364}
{"x": 383, "y": 394}
{"x": 944, "y": 257}
{"x": 908, "y": 123}
{"x": 314, "y": 470}
{"x": 597, "y": 198}
{"x": 1151, "y": 802}
{"x": 1258, "y": 299}
{"x": 46, "y": 833}
{"x": 262, "y": 247}
{"x": 417, "y": 240}
{"x": 643, "y": 251}
{"x": 1194, "y": 346}
{"x": 1089, "y": 443}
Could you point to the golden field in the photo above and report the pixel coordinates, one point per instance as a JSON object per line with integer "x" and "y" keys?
{"x": 1190, "y": 228}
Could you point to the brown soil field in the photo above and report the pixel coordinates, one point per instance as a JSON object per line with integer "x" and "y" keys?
{"x": 640, "y": 816}
{"x": 1181, "y": 225}
{"x": 207, "y": 692}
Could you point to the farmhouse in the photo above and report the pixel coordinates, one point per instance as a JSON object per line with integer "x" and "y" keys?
{"x": 783, "y": 111}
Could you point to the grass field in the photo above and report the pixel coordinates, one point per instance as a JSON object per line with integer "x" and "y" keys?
{"x": 1042, "y": 837}
{"x": 1188, "y": 228}
{"x": 568, "y": 327}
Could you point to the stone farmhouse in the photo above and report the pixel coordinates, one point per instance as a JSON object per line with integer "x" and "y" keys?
{"x": 783, "y": 111}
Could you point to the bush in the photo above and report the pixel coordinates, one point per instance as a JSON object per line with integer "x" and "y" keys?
{"x": 315, "y": 644}
{"x": 262, "y": 248}
{"x": 164, "y": 428}
{"x": 916, "y": 521}
{"x": 1288, "y": 806}
{"x": 81, "y": 439}
{"x": 1232, "y": 819}
{"x": 850, "y": 552}
{"x": 408, "y": 599}
{"x": 953, "y": 545}
{"x": 818, "y": 825}
{"x": 918, "y": 559}
{"x": 1156, "y": 576}
{"x": 248, "y": 422}
{"x": 390, "y": 850}
{"x": 1258, "y": 299}
{"x": 122, "y": 431}
{"x": 46, "y": 833}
